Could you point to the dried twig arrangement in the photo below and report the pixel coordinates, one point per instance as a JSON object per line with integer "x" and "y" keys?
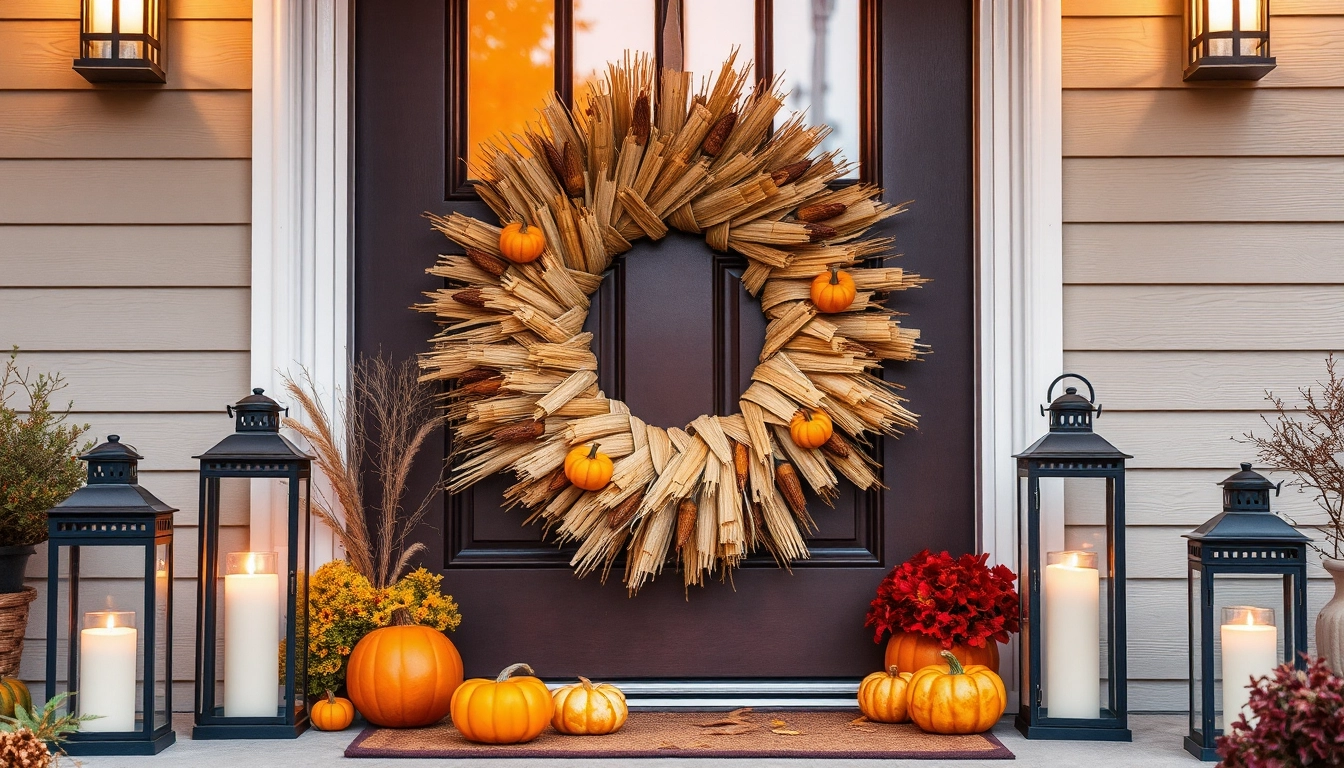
{"x": 643, "y": 156}
{"x": 1307, "y": 439}
{"x": 387, "y": 414}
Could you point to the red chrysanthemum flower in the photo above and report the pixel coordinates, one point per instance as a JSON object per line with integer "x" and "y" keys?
{"x": 958, "y": 601}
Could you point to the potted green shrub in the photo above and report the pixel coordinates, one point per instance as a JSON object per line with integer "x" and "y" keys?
{"x": 38, "y": 468}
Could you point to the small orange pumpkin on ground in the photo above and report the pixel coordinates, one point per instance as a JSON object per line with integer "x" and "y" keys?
{"x": 913, "y": 650}
{"x": 588, "y": 469}
{"x": 584, "y": 709}
{"x": 810, "y": 428}
{"x": 332, "y": 713}
{"x": 403, "y": 676}
{"x": 506, "y": 710}
{"x": 884, "y": 697}
{"x": 833, "y": 291}
{"x": 950, "y": 698}
{"x": 520, "y": 243}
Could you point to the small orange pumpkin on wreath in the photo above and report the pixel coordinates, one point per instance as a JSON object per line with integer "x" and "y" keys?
{"x": 579, "y": 189}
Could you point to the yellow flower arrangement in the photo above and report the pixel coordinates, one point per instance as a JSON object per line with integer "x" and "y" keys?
{"x": 343, "y": 607}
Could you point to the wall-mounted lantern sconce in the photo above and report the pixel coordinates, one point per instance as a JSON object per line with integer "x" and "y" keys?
{"x": 1227, "y": 40}
{"x": 121, "y": 41}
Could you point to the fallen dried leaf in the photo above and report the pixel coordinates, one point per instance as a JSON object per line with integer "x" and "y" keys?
{"x": 786, "y": 732}
{"x": 777, "y": 723}
{"x": 859, "y": 720}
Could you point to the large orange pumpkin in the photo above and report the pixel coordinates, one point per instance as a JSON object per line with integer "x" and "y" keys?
{"x": 950, "y": 698}
{"x": 810, "y": 428}
{"x": 404, "y": 677}
{"x": 884, "y": 696}
{"x": 833, "y": 291}
{"x": 584, "y": 709}
{"x": 912, "y": 650}
{"x": 332, "y": 713}
{"x": 520, "y": 243}
{"x": 588, "y": 469}
{"x": 506, "y": 710}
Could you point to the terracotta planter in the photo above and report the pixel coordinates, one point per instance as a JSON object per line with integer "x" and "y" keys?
{"x": 912, "y": 652}
{"x": 1330, "y": 622}
{"x": 13, "y": 561}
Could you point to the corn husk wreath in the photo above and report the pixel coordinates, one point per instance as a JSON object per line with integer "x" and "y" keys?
{"x": 524, "y": 377}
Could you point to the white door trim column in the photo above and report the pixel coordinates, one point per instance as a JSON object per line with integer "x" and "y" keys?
{"x": 301, "y": 217}
{"x": 1020, "y": 295}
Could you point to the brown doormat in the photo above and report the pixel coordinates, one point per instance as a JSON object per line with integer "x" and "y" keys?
{"x": 816, "y": 734}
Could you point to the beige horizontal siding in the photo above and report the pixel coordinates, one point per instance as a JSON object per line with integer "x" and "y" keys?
{"x": 125, "y": 264}
{"x": 1203, "y": 265}
{"x": 125, "y": 191}
{"x": 172, "y": 382}
{"x": 53, "y": 319}
{"x": 1223, "y": 317}
{"x": 1185, "y": 498}
{"x": 138, "y": 124}
{"x": 1145, "y": 52}
{"x": 139, "y": 256}
{"x": 1118, "y": 189}
{"x": 1193, "y": 121}
{"x": 210, "y": 54}
{"x": 1224, "y": 253}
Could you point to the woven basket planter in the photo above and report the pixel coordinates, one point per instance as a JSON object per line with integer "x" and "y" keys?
{"x": 13, "y": 622}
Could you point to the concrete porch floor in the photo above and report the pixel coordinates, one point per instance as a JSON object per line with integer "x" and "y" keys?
{"x": 1157, "y": 744}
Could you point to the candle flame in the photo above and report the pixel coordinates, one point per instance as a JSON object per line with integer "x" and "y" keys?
{"x": 1250, "y": 619}
{"x": 1073, "y": 560}
{"x": 251, "y": 563}
{"x": 110, "y": 623}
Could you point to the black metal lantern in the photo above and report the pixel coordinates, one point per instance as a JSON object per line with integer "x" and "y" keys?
{"x": 121, "y": 41}
{"x": 1240, "y": 562}
{"x": 1227, "y": 40}
{"x": 1071, "y": 620}
{"x": 111, "y": 630}
{"x": 248, "y": 602}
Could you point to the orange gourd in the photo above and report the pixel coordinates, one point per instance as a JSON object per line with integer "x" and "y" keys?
{"x": 913, "y": 650}
{"x": 506, "y": 710}
{"x": 520, "y": 243}
{"x": 810, "y": 428}
{"x": 884, "y": 696}
{"x": 13, "y": 694}
{"x": 950, "y": 698}
{"x": 833, "y": 291}
{"x": 584, "y": 709}
{"x": 332, "y": 713}
{"x": 588, "y": 469}
{"x": 404, "y": 676}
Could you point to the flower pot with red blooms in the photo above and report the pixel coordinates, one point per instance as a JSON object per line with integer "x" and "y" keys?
{"x": 934, "y": 602}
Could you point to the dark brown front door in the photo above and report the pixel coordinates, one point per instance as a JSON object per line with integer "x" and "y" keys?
{"x": 676, "y": 336}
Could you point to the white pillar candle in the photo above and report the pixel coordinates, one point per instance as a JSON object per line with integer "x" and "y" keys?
{"x": 1250, "y": 643}
{"x": 251, "y": 635}
{"x": 107, "y": 647}
{"x": 1072, "y": 635}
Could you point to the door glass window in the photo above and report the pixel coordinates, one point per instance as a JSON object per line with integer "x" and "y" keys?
{"x": 511, "y": 64}
{"x": 820, "y": 67}
{"x": 712, "y": 28}
{"x": 604, "y": 30}
{"x": 510, "y": 67}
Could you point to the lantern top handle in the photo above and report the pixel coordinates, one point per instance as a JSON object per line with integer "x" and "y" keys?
{"x": 1091, "y": 393}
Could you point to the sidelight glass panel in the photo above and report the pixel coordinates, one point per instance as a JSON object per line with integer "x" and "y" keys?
{"x": 510, "y": 67}
{"x": 816, "y": 52}
{"x": 712, "y": 28}
{"x": 604, "y": 30}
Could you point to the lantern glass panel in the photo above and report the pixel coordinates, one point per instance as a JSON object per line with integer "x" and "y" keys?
{"x": 1239, "y": 652}
{"x": 107, "y": 660}
{"x": 1196, "y": 581}
{"x": 163, "y": 571}
{"x": 300, "y": 604}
